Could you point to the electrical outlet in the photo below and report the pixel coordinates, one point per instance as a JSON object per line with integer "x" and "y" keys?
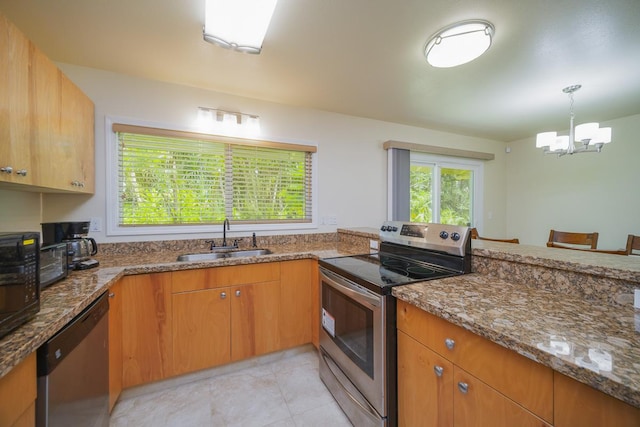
{"x": 636, "y": 298}
{"x": 332, "y": 220}
{"x": 95, "y": 224}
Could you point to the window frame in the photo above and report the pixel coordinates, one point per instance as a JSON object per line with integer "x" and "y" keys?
{"x": 438, "y": 162}
{"x": 113, "y": 227}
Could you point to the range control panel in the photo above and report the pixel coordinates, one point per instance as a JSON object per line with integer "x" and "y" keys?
{"x": 451, "y": 239}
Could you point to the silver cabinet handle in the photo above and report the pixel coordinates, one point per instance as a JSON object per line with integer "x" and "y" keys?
{"x": 449, "y": 343}
{"x": 111, "y": 295}
{"x": 223, "y": 295}
{"x": 438, "y": 370}
{"x": 237, "y": 293}
{"x": 463, "y": 387}
{"x": 21, "y": 172}
{"x": 77, "y": 184}
{"x": 6, "y": 169}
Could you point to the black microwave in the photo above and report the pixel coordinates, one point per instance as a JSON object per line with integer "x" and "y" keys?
{"x": 19, "y": 279}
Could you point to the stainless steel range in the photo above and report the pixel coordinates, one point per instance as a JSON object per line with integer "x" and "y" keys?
{"x": 358, "y": 332}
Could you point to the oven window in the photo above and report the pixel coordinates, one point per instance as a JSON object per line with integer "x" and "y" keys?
{"x": 350, "y": 326}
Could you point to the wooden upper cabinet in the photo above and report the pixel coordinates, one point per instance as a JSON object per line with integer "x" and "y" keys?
{"x": 15, "y": 149}
{"x": 46, "y": 122}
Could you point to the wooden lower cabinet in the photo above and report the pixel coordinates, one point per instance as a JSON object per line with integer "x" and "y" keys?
{"x": 146, "y": 328}
{"x": 297, "y": 302}
{"x": 255, "y": 320}
{"x": 18, "y": 391}
{"x": 425, "y": 385}
{"x": 184, "y": 321}
{"x": 115, "y": 343}
{"x": 474, "y": 382}
{"x": 201, "y": 329}
{"x": 477, "y": 404}
{"x": 577, "y": 404}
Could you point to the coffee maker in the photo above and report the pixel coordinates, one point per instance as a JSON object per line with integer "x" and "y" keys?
{"x": 74, "y": 234}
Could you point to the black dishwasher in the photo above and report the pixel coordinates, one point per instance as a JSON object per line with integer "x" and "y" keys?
{"x": 73, "y": 371}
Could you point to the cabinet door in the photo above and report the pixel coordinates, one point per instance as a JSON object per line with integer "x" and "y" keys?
{"x": 255, "y": 319}
{"x": 425, "y": 385}
{"x": 15, "y": 125}
{"x": 577, "y": 404}
{"x": 295, "y": 309}
{"x": 18, "y": 393}
{"x": 76, "y": 139}
{"x": 115, "y": 343}
{"x": 477, "y": 404}
{"x": 45, "y": 109}
{"x": 146, "y": 328}
{"x": 201, "y": 330}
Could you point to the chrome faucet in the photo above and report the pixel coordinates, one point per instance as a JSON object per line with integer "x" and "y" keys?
{"x": 224, "y": 231}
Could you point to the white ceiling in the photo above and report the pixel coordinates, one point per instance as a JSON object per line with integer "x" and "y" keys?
{"x": 364, "y": 57}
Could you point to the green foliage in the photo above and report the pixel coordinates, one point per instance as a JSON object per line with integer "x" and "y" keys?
{"x": 456, "y": 190}
{"x": 174, "y": 181}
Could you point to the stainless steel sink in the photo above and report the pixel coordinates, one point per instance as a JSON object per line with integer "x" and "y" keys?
{"x": 209, "y": 256}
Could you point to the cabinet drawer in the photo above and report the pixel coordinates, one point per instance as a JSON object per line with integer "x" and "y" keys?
{"x": 218, "y": 277}
{"x": 526, "y": 382}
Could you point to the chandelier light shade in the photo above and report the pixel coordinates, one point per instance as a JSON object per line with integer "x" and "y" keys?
{"x": 459, "y": 43}
{"x": 591, "y": 136}
{"x": 238, "y": 24}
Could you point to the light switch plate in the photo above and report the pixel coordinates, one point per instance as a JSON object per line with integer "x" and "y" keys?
{"x": 95, "y": 224}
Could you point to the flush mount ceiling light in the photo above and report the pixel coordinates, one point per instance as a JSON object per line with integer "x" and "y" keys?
{"x": 238, "y": 24}
{"x": 459, "y": 43}
{"x": 589, "y": 134}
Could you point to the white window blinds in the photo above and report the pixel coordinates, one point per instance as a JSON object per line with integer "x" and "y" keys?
{"x": 180, "y": 178}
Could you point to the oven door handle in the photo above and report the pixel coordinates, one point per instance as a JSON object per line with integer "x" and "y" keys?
{"x": 349, "y": 288}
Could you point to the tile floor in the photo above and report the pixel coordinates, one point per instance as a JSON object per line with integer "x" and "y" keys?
{"x": 281, "y": 390}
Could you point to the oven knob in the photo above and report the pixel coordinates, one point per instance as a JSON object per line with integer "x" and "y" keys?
{"x": 383, "y": 228}
{"x": 444, "y": 235}
{"x": 394, "y": 229}
{"x": 455, "y": 236}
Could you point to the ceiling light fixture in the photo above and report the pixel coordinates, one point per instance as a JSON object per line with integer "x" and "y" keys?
{"x": 216, "y": 120}
{"x": 459, "y": 43}
{"x": 238, "y": 24}
{"x": 589, "y": 134}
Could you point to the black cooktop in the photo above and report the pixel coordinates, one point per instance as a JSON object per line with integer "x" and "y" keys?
{"x": 381, "y": 271}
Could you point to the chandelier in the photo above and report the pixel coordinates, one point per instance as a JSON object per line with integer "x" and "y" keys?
{"x": 591, "y": 136}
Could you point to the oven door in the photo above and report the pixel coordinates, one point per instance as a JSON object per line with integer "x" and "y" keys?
{"x": 352, "y": 338}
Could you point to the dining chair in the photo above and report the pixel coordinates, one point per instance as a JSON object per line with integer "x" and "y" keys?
{"x": 565, "y": 239}
{"x": 475, "y": 235}
{"x": 633, "y": 244}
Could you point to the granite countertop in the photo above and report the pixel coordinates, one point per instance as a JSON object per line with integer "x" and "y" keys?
{"x": 62, "y": 301}
{"x": 594, "y": 344}
{"x": 586, "y": 262}
{"x": 525, "y": 319}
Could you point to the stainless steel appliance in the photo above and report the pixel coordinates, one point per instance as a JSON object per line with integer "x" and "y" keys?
{"x": 358, "y": 332}
{"x": 19, "y": 279}
{"x": 73, "y": 372}
{"x": 82, "y": 248}
{"x": 54, "y": 264}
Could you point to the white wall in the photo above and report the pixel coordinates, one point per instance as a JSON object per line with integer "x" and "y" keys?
{"x": 20, "y": 211}
{"x": 583, "y": 192}
{"x": 351, "y": 161}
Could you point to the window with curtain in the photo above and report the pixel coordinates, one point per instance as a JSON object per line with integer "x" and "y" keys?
{"x": 173, "y": 178}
